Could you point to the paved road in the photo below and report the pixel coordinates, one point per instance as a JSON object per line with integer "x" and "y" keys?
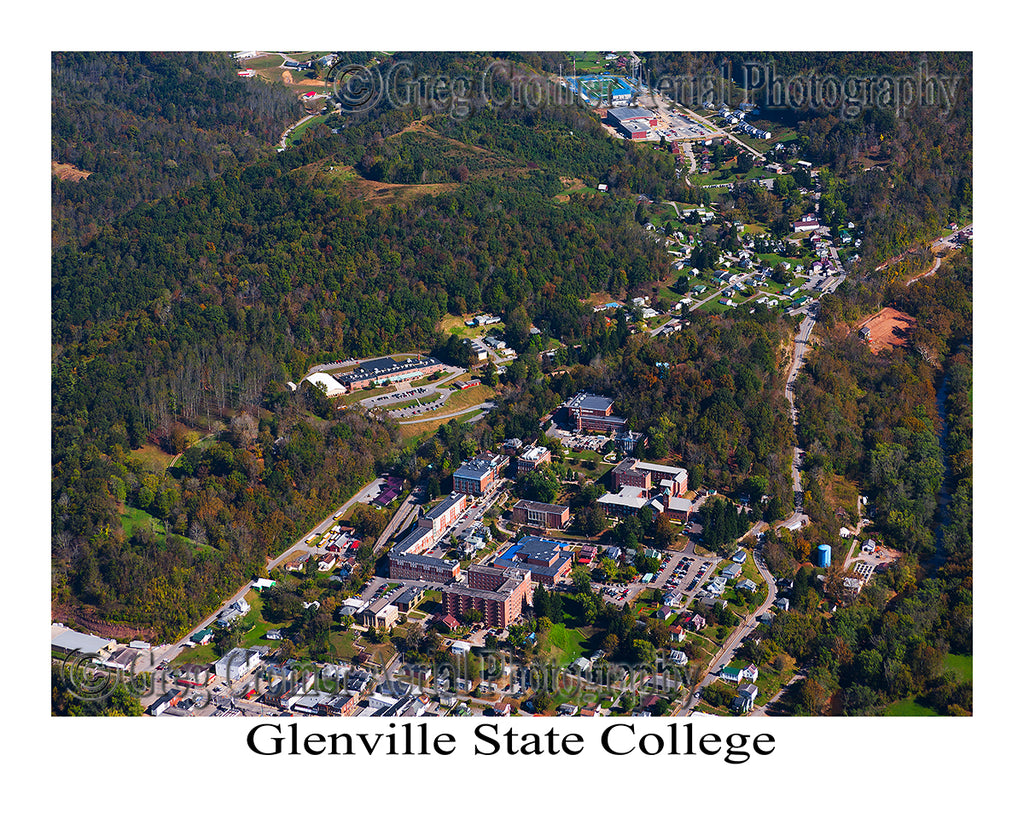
{"x": 941, "y": 243}
{"x": 728, "y": 650}
{"x": 485, "y": 405}
{"x": 168, "y": 653}
{"x": 409, "y": 507}
{"x": 801, "y": 344}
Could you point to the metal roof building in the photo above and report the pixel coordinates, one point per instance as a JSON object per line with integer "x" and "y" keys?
{"x": 624, "y": 114}
{"x": 68, "y": 640}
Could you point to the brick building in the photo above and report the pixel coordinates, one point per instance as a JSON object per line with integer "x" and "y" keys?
{"x": 593, "y": 413}
{"x": 477, "y": 475}
{"x": 652, "y": 478}
{"x": 498, "y": 593}
{"x": 532, "y": 459}
{"x": 387, "y": 371}
{"x": 548, "y": 561}
{"x": 543, "y": 515}
{"x": 406, "y": 560}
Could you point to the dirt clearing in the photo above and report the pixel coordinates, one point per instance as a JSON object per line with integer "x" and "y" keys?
{"x": 888, "y": 328}
{"x": 69, "y": 173}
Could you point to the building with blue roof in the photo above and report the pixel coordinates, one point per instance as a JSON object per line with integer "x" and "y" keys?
{"x": 548, "y": 560}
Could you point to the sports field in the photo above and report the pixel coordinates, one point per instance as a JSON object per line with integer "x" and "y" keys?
{"x": 598, "y": 87}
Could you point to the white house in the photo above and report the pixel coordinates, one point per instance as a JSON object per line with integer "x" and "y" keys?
{"x": 236, "y": 663}
{"x": 737, "y": 673}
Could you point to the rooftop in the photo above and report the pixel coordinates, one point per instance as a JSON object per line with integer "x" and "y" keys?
{"x": 380, "y": 367}
{"x": 444, "y": 506}
{"x": 474, "y": 468}
{"x": 625, "y": 113}
{"x": 537, "y": 506}
{"x": 592, "y": 403}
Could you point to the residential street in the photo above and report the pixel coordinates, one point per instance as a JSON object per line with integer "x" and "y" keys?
{"x": 725, "y": 655}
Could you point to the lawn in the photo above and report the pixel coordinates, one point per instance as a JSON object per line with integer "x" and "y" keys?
{"x": 430, "y": 379}
{"x": 354, "y": 397}
{"x": 200, "y": 655}
{"x": 772, "y": 259}
{"x": 587, "y": 62}
{"x": 412, "y": 434}
{"x": 296, "y": 135}
{"x": 714, "y": 307}
{"x": 962, "y": 665}
{"x": 153, "y": 458}
{"x": 134, "y": 518}
{"x": 343, "y": 643}
{"x": 463, "y": 399}
{"x": 564, "y": 643}
{"x": 269, "y": 61}
{"x": 909, "y": 707}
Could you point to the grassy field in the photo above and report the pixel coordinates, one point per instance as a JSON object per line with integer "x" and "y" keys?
{"x": 461, "y": 400}
{"x": 714, "y": 307}
{"x": 269, "y": 61}
{"x": 357, "y": 396}
{"x": 772, "y": 259}
{"x": 909, "y": 707}
{"x": 587, "y": 463}
{"x": 412, "y": 434}
{"x": 564, "y": 643}
{"x": 153, "y": 458}
{"x": 587, "y": 62}
{"x": 727, "y": 173}
{"x": 296, "y": 135}
{"x": 456, "y": 325}
{"x": 133, "y": 518}
{"x": 430, "y": 379}
{"x": 200, "y": 655}
{"x": 962, "y": 665}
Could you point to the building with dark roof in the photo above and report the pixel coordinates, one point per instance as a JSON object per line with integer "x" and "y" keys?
{"x": 387, "y": 371}
{"x": 477, "y": 475}
{"x": 413, "y": 566}
{"x": 593, "y": 413}
{"x": 549, "y": 561}
{"x": 624, "y": 114}
{"x": 406, "y": 560}
{"x": 543, "y": 515}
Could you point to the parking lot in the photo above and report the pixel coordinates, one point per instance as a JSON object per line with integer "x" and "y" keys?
{"x": 594, "y": 443}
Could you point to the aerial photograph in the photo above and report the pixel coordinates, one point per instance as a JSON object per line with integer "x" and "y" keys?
{"x": 615, "y": 383}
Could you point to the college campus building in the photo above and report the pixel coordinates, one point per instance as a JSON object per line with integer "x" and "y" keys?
{"x": 532, "y": 459}
{"x": 634, "y": 123}
{"x": 477, "y": 475}
{"x": 548, "y": 561}
{"x": 406, "y": 560}
{"x": 640, "y": 484}
{"x": 593, "y": 413}
{"x": 652, "y": 478}
{"x": 382, "y": 371}
{"x": 498, "y": 593}
{"x": 542, "y": 515}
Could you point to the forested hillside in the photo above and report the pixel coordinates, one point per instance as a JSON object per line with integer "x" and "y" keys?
{"x": 144, "y": 125}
